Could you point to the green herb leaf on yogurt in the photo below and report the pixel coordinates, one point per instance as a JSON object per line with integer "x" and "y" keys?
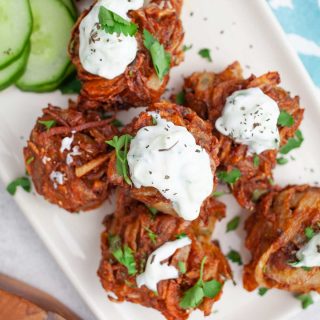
{"x": 235, "y": 257}
{"x": 293, "y": 143}
{"x": 206, "y": 54}
{"x": 306, "y": 300}
{"x": 285, "y": 119}
{"x": 309, "y": 232}
{"x": 282, "y": 161}
{"x": 233, "y": 224}
{"x": 262, "y": 291}
{"x": 22, "y": 182}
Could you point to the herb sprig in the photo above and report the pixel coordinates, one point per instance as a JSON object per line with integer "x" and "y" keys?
{"x": 293, "y": 143}
{"x": 22, "y": 182}
{"x": 233, "y": 224}
{"x": 285, "y": 119}
{"x": 48, "y": 123}
{"x": 229, "y": 176}
{"x": 206, "y": 54}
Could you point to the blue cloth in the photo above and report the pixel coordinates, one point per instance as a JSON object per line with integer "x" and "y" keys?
{"x": 300, "y": 19}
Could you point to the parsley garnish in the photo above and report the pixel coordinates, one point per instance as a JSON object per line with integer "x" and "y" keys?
{"x": 186, "y": 48}
{"x": 256, "y": 160}
{"x": 235, "y": 257}
{"x": 282, "y": 161}
{"x": 285, "y": 119}
{"x": 161, "y": 59}
{"x": 48, "y": 124}
{"x": 181, "y": 235}
{"x": 22, "y": 182}
{"x": 206, "y": 54}
{"x": 309, "y": 232}
{"x": 229, "y": 177}
{"x": 113, "y": 23}
{"x": 117, "y": 123}
{"x": 306, "y": 300}
{"x": 153, "y": 237}
{"x": 195, "y": 295}
{"x": 293, "y": 143}
{"x": 180, "y": 98}
{"x": 218, "y": 194}
{"x": 233, "y": 224}
{"x": 124, "y": 256}
{"x": 182, "y": 267}
{"x": 121, "y": 145}
{"x": 70, "y": 85}
{"x": 262, "y": 291}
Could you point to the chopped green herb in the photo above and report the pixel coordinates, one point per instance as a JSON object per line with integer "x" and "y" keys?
{"x": 229, "y": 177}
{"x": 293, "y": 143}
{"x": 123, "y": 255}
{"x": 309, "y": 232}
{"x": 29, "y": 160}
{"x": 153, "y": 237}
{"x": 181, "y": 235}
{"x": 186, "y": 48}
{"x": 121, "y": 145}
{"x": 22, "y": 182}
{"x": 160, "y": 58}
{"x": 218, "y": 194}
{"x": 282, "y": 161}
{"x": 194, "y": 296}
{"x": 306, "y": 268}
{"x": 206, "y": 54}
{"x": 285, "y": 119}
{"x": 257, "y": 193}
{"x": 262, "y": 291}
{"x": 235, "y": 257}
{"x": 70, "y": 85}
{"x": 182, "y": 267}
{"x": 113, "y": 23}
{"x": 306, "y": 300}
{"x": 256, "y": 160}
{"x": 180, "y": 98}
{"x": 153, "y": 211}
{"x": 233, "y": 224}
{"x": 117, "y": 123}
{"x": 48, "y": 124}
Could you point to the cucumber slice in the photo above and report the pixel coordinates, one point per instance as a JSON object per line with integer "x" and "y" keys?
{"x": 71, "y": 7}
{"x": 13, "y": 71}
{"x": 15, "y": 29}
{"x": 48, "y": 60}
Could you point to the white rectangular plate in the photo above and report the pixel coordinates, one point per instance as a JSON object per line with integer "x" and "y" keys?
{"x": 243, "y": 30}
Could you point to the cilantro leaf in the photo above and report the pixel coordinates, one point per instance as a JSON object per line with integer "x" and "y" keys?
{"x": 123, "y": 255}
{"x": 306, "y": 300}
{"x": 256, "y": 160}
{"x": 48, "y": 123}
{"x": 229, "y": 176}
{"x": 153, "y": 237}
{"x": 181, "y": 235}
{"x": 235, "y": 257}
{"x": 218, "y": 194}
{"x": 22, "y": 182}
{"x": 262, "y": 291}
{"x": 187, "y": 47}
{"x": 282, "y": 161}
{"x": 285, "y": 119}
{"x": 309, "y": 232}
{"x": 161, "y": 59}
{"x": 70, "y": 85}
{"x": 113, "y": 23}
{"x": 182, "y": 267}
{"x": 117, "y": 123}
{"x": 293, "y": 143}
{"x": 180, "y": 98}
{"x": 121, "y": 145}
{"x": 233, "y": 224}
{"x": 212, "y": 288}
{"x": 206, "y": 54}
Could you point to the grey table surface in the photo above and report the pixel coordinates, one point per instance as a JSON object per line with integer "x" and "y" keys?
{"x": 24, "y": 256}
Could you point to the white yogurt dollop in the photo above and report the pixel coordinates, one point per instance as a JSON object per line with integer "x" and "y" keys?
{"x": 309, "y": 255}
{"x": 250, "y": 117}
{"x": 107, "y": 55}
{"x": 167, "y": 157}
{"x": 155, "y": 271}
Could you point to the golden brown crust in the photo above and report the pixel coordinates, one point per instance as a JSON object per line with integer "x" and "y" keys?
{"x": 275, "y": 232}
{"x": 200, "y": 129}
{"x": 139, "y": 85}
{"x": 206, "y": 93}
{"x": 130, "y": 222}
{"x": 85, "y": 180}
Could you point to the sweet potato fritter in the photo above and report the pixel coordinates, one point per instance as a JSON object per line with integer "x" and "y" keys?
{"x": 206, "y": 93}
{"x": 132, "y": 223}
{"x": 276, "y": 231}
{"x": 200, "y": 129}
{"x": 139, "y": 85}
{"x": 68, "y": 161}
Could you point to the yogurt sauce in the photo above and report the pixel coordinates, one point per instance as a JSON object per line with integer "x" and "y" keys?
{"x": 309, "y": 255}
{"x": 107, "y": 55}
{"x": 250, "y": 117}
{"x": 166, "y": 157}
{"x": 155, "y": 271}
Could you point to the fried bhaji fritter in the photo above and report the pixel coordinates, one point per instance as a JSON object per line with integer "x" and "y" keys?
{"x": 133, "y": 222}
{"x": 200, "y": 129}
{"x": 66, "y": 157}
{"x": 206, "y": 93}
{"x": 139, "y": 85}
{"x": 275, "y": 232}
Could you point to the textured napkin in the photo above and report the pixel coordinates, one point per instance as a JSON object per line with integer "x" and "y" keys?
{"x": 300, "y": 19}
